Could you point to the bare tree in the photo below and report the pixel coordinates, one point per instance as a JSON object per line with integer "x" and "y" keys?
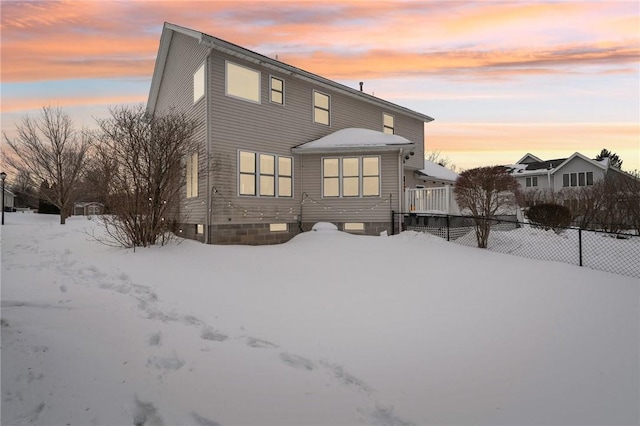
{"x": 436, "y": 157}
{"x": 49, "y": 149}
{"x": 484, "y": 192}
{"x": 146, "y": 175}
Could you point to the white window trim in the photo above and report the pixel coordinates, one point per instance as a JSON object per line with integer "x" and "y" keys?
{"x": 279, "y": 227}
{"x": 313, "y": 111}
{"x": 360, "y": 176}
{"x": 226, "y": 83}
{"x": 577, "y": 174}
{"x": 271, "y": 77}
{"x": 257, "y": 175}
{"x": 353, "y": 226}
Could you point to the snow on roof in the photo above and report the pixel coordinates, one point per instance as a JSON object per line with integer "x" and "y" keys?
{"x": 438, "y": 172}
{"x": 354, "y": 138}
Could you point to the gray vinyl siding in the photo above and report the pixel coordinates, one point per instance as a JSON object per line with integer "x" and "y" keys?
{"x": 349, "y": 209}
{"x": 275, "y": 129}
{"x": 577, "y": 165}
{"x": 176, "y": 91}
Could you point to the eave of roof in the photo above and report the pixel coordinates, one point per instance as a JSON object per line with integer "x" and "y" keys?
{"x": 246, "y": 54}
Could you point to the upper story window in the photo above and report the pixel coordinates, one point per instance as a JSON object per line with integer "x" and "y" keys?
{"x": 198, "y": 84}
{"x": 265, "y": 175}
{"x": 577, "y": 179}
{"x": 388, "y": 123}
{"x": 531, "y": 181}
{"x": 277, "y": 90}
{"x": 192, "y": 175}
{"x": 351, "y": 177}
{"x": 321, "y": 108}
{"x": 242, "y": 82}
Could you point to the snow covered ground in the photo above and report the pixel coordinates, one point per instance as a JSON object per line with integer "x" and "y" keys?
{"x": 328, "y": 329}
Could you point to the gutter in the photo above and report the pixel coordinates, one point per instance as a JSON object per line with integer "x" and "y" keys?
{"x": 301, "y": 150}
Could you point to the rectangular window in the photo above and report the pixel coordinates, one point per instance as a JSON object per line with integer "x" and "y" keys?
{"x": 351, "y": 177}
{"x": 354, "y": 226}
{"x": 532, "y": 181}
{"x": 192, "y": 175}
{"x": 285, "y": 177}
{"x": 242, "y": 82}
{"x": 277, "y": 90}
{"x": 321, "y": 108}
{"x": 247, "y": 173}
{"x": 199, "y": 229}
{"x": 330, "y": 177}
{"x": 198, "y": 84}
{"x": 265, "y": 175}
{"x": 577, "y": 179}
{"x": 388, "y": 125}
{"x": 371, "y": 176}
{"x": 589, "y": 178}
{"x": 278, "y": 227}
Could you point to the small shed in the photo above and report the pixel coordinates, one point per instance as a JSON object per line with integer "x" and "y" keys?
{"x": 88, "y": 208}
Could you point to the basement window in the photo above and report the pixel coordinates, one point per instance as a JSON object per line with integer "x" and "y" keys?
{"x": 278, "y": 227}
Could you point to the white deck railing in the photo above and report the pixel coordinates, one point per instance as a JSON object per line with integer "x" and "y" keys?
{"x": 430, "y": 200}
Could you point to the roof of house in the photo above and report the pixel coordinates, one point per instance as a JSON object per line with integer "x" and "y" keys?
{"x": 248, "y": 55}
{"x": 551, "y": 166}
{"x": 353, "y": 140}
{"x": 437, "y": 172}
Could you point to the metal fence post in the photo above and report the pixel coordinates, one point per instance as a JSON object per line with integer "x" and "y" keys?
{"x": 580, "y": 244}
{"x": 448, "y": 238}
{"x": 393, "y": 222}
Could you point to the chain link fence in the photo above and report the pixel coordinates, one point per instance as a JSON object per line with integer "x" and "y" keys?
{"x": 617, "y": 253}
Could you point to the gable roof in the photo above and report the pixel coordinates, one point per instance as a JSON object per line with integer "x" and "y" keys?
{"x": 354, "y": 140}
{"x": 437, "y": 172}
{"x": 248, "y": 55}
{"x": 602, "y": 165}
{"x": 551, "y": 166}
{"x": 528, "y": 158}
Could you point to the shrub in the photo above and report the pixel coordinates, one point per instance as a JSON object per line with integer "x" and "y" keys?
{"x": 550, "y": 216}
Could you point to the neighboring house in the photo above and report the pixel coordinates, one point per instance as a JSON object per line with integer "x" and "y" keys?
{"x": 280, "y": 148}
{"x": 575, "y": 171}
{"x": 9, "y": 201}
{"x": 87, "y": 208}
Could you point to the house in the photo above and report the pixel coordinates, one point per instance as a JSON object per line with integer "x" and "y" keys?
{"x": 280, "y": 148}
{"x": 576, "y": 171}
{"x": 8, "y": 200}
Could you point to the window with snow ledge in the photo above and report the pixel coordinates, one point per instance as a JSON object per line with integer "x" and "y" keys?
{"x": 351, "y": 177}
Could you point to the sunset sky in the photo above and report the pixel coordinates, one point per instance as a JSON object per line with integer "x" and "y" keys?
{"x": 500, "y": 78}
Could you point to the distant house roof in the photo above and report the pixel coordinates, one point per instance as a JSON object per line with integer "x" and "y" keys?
{"x": 437, "y": 172}
{"x": 526, "y": 165}
{"x": 248, "y": 55}
{"x": 354, "y": 140}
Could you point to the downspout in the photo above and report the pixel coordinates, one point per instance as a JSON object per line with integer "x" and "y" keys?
{"x": 400, "y": 189}
{"x": 207, "y": 220}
